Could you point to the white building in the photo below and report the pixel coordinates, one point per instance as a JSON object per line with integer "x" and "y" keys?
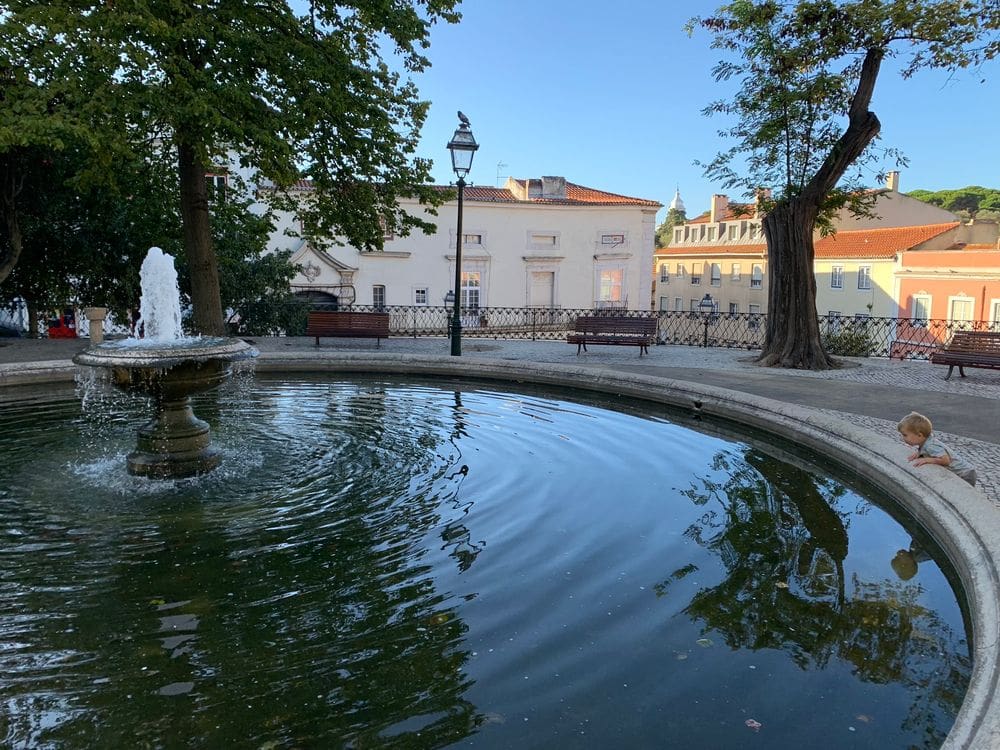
{"x": 544, "y": 243}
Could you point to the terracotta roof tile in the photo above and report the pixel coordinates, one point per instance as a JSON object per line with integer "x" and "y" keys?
{"x": 878, "y": 243}
{"x": 576, "y": 195}
{"x": 734, "y": 211}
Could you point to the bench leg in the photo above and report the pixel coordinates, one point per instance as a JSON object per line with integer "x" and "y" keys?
{"x": 961, "y": 371}
{"x": 578, "y": 347}
{"x": 378, "y": 343}
{"x": 317, "y": 341}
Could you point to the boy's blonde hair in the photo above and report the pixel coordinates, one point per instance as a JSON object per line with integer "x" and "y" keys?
{"x": 916, "y": 423}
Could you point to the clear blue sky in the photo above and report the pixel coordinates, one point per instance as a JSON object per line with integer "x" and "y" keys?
{"x": 610, "y": 95}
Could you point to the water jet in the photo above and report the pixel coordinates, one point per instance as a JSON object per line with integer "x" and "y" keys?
{"x": 168, "y": 367}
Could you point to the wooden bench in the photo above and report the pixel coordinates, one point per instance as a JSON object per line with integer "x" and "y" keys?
{"x": 615, "y": 330}
{"x": 364, "y": 325}
{"x": 969, "y": 349}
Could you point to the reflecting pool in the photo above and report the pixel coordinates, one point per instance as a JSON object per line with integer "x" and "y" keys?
{"x": 419, "y": 564}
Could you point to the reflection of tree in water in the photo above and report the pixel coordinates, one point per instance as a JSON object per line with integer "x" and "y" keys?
{"x": 783, "y": 544}
{"x": 308, "y": 618}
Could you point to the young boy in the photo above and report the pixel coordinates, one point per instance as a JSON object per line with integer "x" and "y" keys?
{"x": 916, "y": 431}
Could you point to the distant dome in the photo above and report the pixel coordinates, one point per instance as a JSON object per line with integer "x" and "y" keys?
{"x": 677, "y": 204}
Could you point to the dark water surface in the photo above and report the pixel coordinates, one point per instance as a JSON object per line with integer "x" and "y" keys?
{"x": 381, "y": 563}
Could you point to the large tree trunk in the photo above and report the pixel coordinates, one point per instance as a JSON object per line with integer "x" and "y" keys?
{"x": 792, "y": 333}
{"x": 205, "y": 296}
{"x": 792, "y": 338}
{"x": 10, "y": 187}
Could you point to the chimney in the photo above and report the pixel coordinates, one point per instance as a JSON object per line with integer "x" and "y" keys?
{"x": 763, "y": 194}
{"x": 892, "y": 181}
{"x": 719, "y": 205}
{"x": 553, "y": 187}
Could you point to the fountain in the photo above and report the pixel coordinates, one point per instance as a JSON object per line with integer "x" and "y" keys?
{"x": 169, "y": 367}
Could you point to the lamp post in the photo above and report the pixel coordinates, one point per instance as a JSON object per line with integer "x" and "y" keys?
{"x": 707, "y": 307}
{"x": 462, "y": 147}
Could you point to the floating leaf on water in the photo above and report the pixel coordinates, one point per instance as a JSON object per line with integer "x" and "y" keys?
{"x": 705, "y": 642}
{"x": 753, "y": 724}
{"x": 157, "y": 602}
{"x": 864, "y": 717}
{"x": 781, "y": 585}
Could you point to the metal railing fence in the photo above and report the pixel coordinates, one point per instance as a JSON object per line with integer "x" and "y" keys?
{"x": 901, "y": 338}
{"x": 844, "y": 336}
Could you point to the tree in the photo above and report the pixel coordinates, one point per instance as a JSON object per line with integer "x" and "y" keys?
{"x": 288, "y": 96}
{"x": 806, "y": 71}
{"x": 83, "y": 244}
{"x": 665, "y": 232}
{"x": 969, "y": 202}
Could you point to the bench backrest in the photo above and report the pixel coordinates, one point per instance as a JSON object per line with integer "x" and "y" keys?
{"x": 975, "y": 342}
{"x": 615, "y": 324}
{"x": 348, "y": 321}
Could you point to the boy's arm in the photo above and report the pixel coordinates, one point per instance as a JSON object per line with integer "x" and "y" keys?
{"x": 933, "y": 454}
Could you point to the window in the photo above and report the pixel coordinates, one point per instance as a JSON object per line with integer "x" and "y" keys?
{"x": 472, "y": 239}
{"x": 960, "y": 311}
{"x": 470, "y": 289}
{"x": 681, "y": 270}
{"x": 920, "y": 309}
{"x": 678, "y": 304}
{"x": 756, "y": 277}
{"x": 420, "y": 295}
{"x": 753, "y": 320}
{"x": 378, "y": 296}
{"x": 387, "y": 234}
{"x": 734, "y": 273}
{"x": 864, "y": 277}
{"x": 664, "y": 273}
{"x": 613, "y": 239}
{"x": 734, "y": 231}
{"x": 694, "y": 305}
{"x": 711, "y": 233}
{"x": 837, "y": 277}
{"x": 734, "y": 308}
{"x": 543, "y": 239}
{"x": 679, "y": 234}
{"x": 696, "y": 273}
{"x": 716, "y": 274}
{"x": 611, "y": 288}
{"x": 995, "y": 313}
{"x": 754, "y": 230}
{"x": 833, "y": 321}
{"x": 215, "y": 185}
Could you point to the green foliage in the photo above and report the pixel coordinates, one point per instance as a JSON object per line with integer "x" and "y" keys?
{"x": 849, "y": 342}
{"x": 797, "y": 68}
{"x": 321, "y": 92}
{"x": 968, "y": 202}
{"x": 84, "y": 243}
{"x": 665, "y": 232}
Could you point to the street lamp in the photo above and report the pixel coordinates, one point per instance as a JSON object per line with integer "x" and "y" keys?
{"x": 463, "y": 147}
{"x": 707, "y": 307}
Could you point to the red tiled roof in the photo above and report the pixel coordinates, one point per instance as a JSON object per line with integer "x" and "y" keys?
{"x": 878, "y": 243}
{"x": 734, "y": 211}
{"x": 579, "y": 195}
{"x": 855, "y": 243}
{"x": 576, "y": 195}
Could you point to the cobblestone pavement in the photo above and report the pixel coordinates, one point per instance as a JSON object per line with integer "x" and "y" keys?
{"x": 918, "y": 384}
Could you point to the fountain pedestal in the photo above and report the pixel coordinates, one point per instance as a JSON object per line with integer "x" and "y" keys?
{"x": 175, "y": 443}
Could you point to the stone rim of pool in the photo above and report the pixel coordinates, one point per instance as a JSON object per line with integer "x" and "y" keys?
{"x": 957, "y": 516}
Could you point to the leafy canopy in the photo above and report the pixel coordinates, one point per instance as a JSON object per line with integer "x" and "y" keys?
{"x": 799, "y": 68}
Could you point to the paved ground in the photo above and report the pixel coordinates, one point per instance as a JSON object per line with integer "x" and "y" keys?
{"x": 873, "y": 393}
